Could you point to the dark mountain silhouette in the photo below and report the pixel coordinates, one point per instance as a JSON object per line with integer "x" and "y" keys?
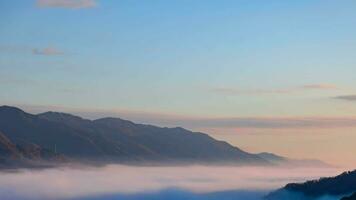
{"x": 352, "y": 197}
{"x": 342, "y": 184}
{"x": 111, "y": 140}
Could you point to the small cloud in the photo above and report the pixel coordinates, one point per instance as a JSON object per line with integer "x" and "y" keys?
{"x": 68, "y": 4}
{"x": 346, "y": 97}
{"x": 320, "y": 86}
{"x": 49, "y": 51}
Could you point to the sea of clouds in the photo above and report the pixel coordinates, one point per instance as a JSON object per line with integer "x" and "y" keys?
{"x": 152, "y": 182}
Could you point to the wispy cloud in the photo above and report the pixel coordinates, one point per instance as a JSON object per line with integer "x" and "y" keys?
{"x": 23, "y": 49}
{"x": 199, "y": 123}
{"x": 68, "y": 4}
{"x": 321, "y": 86}
{"x": 48, "y": 51}
{"x": 24, "y": 82}
{"x": 275, "y": 122}
{"x": 16, "y": 81}
{"x": 261, "y": 91}
{"x": 235, "y": 91}
{"x": 347, "y": 97}
{"x": 14, "y": 49}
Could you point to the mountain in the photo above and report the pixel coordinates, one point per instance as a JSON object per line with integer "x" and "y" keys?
{"x": 280, "y": 160}
{"x": 113, "y": 140}
{"x": 343, "y": 184}
{"x": 25, "y": 154}
{"x": 8, "y": 150}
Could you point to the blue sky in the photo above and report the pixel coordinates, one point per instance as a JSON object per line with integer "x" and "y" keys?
{"x": 159, "y": 60}
{"x": 171, "y": 56}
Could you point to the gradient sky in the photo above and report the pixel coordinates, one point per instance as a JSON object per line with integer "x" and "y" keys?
{"x": 265, "y": 75}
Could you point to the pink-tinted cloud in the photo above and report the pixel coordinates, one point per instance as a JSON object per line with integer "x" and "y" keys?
{"x": 69, "y": 4}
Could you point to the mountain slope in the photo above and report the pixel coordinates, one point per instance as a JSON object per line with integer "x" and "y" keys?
{"x": 8, "y": 150}
{"x": 342, "y": 184}
{"x": 25, "y": 154}
{"x": 116, "y": 140}
{"x": 23, "y": 127}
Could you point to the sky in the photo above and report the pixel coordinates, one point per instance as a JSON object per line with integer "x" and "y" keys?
{"x": 271, "y": 75}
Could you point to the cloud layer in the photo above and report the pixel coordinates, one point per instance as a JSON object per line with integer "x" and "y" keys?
{"x": 120, "y": 179}
{"x": 71, "y": 4}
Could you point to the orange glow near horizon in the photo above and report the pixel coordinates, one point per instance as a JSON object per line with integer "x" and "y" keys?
{"x": 335, "y": 146}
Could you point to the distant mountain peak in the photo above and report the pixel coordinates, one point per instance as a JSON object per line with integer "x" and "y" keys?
{"x": 10, "y": 109}
{"x": 50, "y": 115}
{"x": 113, "y": 119}
{"x": 8, "y": 113}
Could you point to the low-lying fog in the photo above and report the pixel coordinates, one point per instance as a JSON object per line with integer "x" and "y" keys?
{"x": 138, "y": 182}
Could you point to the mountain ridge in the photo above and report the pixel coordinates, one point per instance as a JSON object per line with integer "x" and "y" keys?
{"x": 117, "y": 140}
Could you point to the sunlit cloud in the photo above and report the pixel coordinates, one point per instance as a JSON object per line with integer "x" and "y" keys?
{"x": 69, "y": 4}
{"x": 48, "y": 51}
{"x": 347, "y": 97}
